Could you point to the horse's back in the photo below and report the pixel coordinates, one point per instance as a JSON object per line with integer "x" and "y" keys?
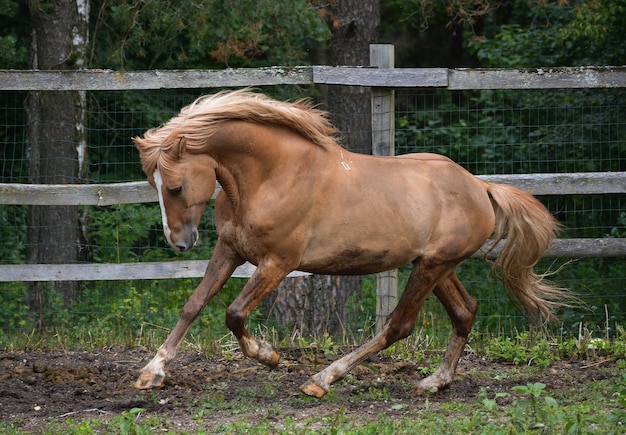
{"x": 386, "y": 212}
{"x": 426, "y": 157}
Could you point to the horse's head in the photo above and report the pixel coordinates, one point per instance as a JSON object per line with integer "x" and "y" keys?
{"x": 185, "y": 182}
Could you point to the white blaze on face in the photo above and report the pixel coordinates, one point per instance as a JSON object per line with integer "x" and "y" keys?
{"x": 158, "y": 182}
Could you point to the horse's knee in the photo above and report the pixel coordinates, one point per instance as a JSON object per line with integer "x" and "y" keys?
{"x": 191, "y": 310}
{"x": 397, "y": 330}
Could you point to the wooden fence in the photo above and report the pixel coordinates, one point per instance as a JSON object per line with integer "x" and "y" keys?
{"x": 381, "y": 76}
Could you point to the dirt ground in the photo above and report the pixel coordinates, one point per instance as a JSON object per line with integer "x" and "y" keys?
{"x": 43, "y": 386}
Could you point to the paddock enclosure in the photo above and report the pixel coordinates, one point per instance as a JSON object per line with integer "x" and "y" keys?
{"x": 559, "y": 133}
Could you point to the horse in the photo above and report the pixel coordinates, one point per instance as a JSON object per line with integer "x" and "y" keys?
{"x": 293, "y": 199}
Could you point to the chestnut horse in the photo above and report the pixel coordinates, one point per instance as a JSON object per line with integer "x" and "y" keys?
{"x": 293, "y": 199}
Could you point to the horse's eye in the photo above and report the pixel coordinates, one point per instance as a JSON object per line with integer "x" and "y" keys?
{"x": 175, "y": 191}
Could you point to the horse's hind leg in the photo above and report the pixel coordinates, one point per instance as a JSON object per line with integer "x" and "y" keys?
{"x": 461, "y": 308}
{"x": 399, "y": 324}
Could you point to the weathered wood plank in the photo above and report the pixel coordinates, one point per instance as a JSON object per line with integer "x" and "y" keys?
{"x": 108, "y": 80}
{"x": 101, "y": 80}
{"x": 77, "y": 194}
{"x": 457, "y": 79}
{"x": 195, "y": 268}
{"x": 133, "y": 192}
{"x": 381, "y": 77}
{"x": 581, "y": 183}
{"x": 140, "y": 191}
{"x": 573, "y": 248}
{"x": 112, "y": 272}
{"x": 538, "y": 78}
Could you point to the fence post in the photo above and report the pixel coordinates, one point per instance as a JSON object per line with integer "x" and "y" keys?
{"x": 383, "y": 144}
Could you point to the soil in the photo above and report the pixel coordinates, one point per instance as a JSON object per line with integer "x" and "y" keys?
{"x": 43, "y": 387}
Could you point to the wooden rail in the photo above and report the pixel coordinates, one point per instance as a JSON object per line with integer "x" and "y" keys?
{"x": 582, "y": 183}
{"x": 385, "y": 77}
{"x": 566, "y": 248}
{"x": 116, "y": 271}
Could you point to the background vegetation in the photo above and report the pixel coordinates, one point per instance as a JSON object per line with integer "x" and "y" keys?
{"x": 489, "y": 132}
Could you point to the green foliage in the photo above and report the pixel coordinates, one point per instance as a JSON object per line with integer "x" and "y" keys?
{"x": 127, "y": 233}
{"x": 12, "y": 234}
{"x": 430, "y": 33}
{"x": 618, "y": 415}
{"x": 539, "y": 408}
{"x": 517, "y": 350}
{"x": 83, "y": 427}
{"x": 600, "y": 282}
{"x": 513, "y": 131}
{"x": 205, "y": 34}
{"x": 533, "y": 350}
{"x": 535, "y": 410}
{"x": 9, "y": 428}
{"x": 14, "y": 34}
{"x": 491, "y": 404}
{"x": 131, "y": 422}
{"x": 112, "y": 229}
{"x": 619, "y": 230}
{"x": 540, "y": 34}
{"x": 127, "y": 424}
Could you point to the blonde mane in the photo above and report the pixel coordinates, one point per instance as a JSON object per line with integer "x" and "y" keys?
{"x": 199, "y": 120}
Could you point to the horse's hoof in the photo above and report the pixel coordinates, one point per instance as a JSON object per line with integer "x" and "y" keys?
{"x": 148, "y": 381}
{"x": 268, "y": 355}
{"x": 273, "y": 362}
{"x": 423, "y": 388}
{"x": 424, "y": 391}
{"x": 312, "y": 388}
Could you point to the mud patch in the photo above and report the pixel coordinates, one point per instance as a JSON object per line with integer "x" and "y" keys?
{"x": 43, "y": 386}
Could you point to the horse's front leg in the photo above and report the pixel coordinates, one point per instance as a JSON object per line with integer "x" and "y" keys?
{"x": 265, "y": 279}
{"x": 221, "y": 266}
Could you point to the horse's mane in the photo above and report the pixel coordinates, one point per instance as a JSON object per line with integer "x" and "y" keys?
{"x": 199, "y": 120}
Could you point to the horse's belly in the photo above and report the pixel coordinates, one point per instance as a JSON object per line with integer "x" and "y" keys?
{"x": 358, "y": 260}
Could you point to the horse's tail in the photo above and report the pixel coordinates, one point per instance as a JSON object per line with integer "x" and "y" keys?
{"x": 529, "y": 228}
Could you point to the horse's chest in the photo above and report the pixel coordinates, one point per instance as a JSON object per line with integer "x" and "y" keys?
{"x": 250, "y": 242}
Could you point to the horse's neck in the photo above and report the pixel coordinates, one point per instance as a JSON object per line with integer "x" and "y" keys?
{"x": 250, "y": 154}
{"x": 245, "y": 153}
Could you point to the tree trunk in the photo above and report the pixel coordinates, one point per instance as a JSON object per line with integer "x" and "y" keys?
{"x": 318, "y": 304}
{"x": 56, "y": 141}
{"x": 314, "y": 304}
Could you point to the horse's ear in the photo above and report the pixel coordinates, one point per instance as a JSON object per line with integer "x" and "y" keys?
{"x": 182, "y": 146}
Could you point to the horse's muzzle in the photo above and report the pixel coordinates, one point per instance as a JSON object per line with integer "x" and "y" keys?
{"x": 186, "y": 243}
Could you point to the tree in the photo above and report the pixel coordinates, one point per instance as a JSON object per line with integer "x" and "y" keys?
{"x": 202, "y": 33}
{"x": 56, "y": 138}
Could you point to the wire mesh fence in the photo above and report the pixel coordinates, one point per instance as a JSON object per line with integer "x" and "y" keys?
{"x": 486, "y": 131}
